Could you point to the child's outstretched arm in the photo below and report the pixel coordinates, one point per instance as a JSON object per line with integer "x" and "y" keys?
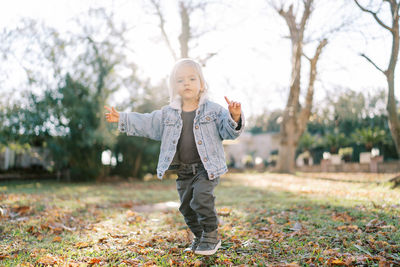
{"x": 137, "y": 124}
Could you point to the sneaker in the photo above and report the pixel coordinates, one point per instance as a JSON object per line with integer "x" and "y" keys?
{"x": 194, "y": 245}
{"x": 209, "y": 243}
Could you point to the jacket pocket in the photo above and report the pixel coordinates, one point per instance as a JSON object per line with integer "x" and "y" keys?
{"x": 207, "y": 118}
{"x": 170, "y": 121}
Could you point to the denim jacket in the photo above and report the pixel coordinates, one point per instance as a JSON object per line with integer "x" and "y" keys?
{"x": 211, "y": 125}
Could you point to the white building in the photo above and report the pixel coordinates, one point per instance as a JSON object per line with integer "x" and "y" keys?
{"x": 258, "y": 146}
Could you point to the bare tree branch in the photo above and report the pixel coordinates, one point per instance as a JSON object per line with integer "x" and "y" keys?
{"x": 306, "y": 111}
{"x": 290, "y": 20}
{"x": 203, "y": 61}
{"x": 156, "y": 5}
{"x": 375, "y": 15}
{"x": 306, "y": 14}
{"x": 373, "y": 63}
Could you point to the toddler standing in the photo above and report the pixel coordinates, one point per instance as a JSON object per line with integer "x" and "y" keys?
{"x": 191, "y": 129}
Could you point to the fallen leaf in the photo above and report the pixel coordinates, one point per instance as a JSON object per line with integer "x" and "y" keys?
{"x": 126, "y": 205}
{"x": 57, "y": 239}
{"x": 25, "y": 264}
{"x": 342, "y": 217}
{"x": 21, "y": 210}
{"x": 292, "y": 264}
{"x": 224, "y": 211}
{"x": 350, "y": 228}
{"x": 132, "y": 262}
{"x": 95, "y": 260}
{"x": 35, "y": 252}
{"x": 82, "y": 245}
{"x": 335, "y": 262}
{"x": 330, "y": 252}
{"x": 197, "y": 263}
{"x": 102, "y": 240}
{"x": 49, "y": 260}
{"x": 271, "y": 220}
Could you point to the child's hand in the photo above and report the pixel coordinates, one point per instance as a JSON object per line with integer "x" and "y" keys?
{"x": 234, "y": 108}
{"x": 113, "y": 116}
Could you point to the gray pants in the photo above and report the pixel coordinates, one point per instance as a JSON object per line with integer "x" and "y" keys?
{"x": 196, "y": 193}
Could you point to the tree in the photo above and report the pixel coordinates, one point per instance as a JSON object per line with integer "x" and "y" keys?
{"x": 393, "y": 29}
{"x": 370, "y": 137}
{"x": 295, "y": 117}
{"x": 187, "y": 32}
{"x": 67, "y": 115}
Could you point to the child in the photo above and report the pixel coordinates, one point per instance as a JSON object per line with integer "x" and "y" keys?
{"x": 191, "y": 129}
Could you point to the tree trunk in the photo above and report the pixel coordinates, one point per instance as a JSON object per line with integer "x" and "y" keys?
{"x": 295, "y": 117}
{"x": 394, "y": 124}
{"x": 184, "y": 37}
{"x": 138, "y": 162}
{"x": 287, "y": 148}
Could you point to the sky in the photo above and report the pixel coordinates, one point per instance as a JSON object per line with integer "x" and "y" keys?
{"x": 252, "y": 64}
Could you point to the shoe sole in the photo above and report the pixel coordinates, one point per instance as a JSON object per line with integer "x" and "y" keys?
{"x": 209, "y": 252}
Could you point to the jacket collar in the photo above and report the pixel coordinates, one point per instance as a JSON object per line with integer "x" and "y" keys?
{"x": 177, "y": 102}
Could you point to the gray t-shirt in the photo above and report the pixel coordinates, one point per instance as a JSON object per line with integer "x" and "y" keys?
{"x": 187, "y": 150}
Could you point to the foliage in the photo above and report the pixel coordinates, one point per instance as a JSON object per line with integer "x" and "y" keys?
{"x": 351, "y": 119}
{"x": 345, "y": 151}
{"x": 370, "y": 137}
{"x": 85, "y": 69}
{"x": 267, "y": 122}
{"x": 334, "y": 141}
{"x": 307, "y": 142}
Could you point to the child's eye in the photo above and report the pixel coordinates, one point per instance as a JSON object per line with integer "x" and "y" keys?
{"x": 193, "y": 79}
{"x": 179, "y": 81}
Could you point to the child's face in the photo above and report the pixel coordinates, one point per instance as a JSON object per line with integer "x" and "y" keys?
{"x": 187, "y": 83}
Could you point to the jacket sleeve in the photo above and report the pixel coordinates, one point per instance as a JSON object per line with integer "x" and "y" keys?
{"x": 141, "y": 124}
{"x": 227, "y": 127}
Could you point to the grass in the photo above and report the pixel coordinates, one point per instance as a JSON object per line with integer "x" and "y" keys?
{"x": 266, "y": 219}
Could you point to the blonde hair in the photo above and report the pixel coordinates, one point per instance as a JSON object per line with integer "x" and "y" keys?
{"x": 173, "y": 94}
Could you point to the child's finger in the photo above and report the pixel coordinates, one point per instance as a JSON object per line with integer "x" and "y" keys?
{"x": 113, "y": 109}
{"x": 227, "y": 100}
{"x": 108, "y": 108}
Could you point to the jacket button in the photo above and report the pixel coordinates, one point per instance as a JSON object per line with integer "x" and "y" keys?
{"x": 212, "y": 176}
{"x": 197, "y": 127}
{"x": 208, "y": 118}
{"x": 205, "y": 159}
{"x": 122, "y": 124}
{"x": 200, "y": 142}
{"x": 174, "y": 142}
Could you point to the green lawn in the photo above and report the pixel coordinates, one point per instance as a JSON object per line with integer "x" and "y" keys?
{"x": 266, "y": 219}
